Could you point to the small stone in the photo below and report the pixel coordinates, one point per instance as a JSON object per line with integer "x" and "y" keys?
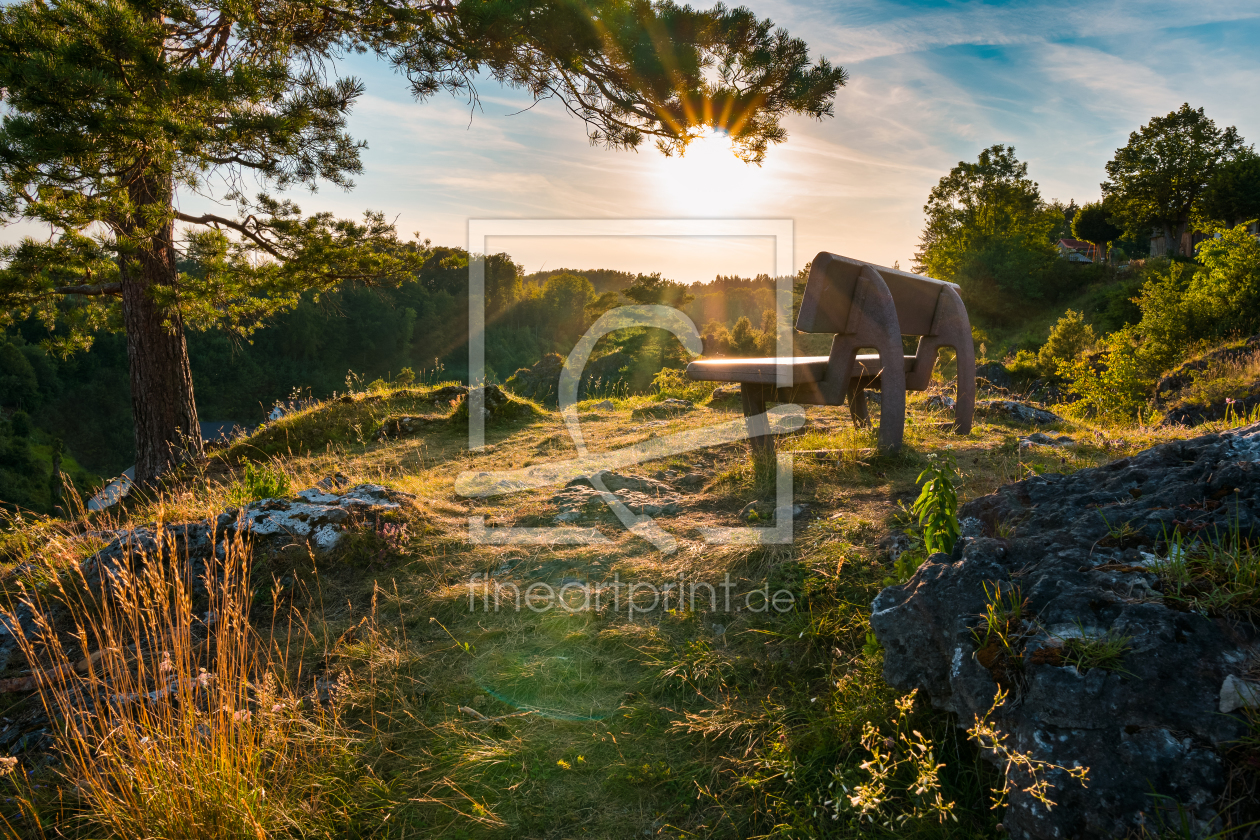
{"x": 603, "y": 405}
{"x": 1236, "y": 693}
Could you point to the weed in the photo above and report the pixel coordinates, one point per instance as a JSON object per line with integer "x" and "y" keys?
{"x": 1105, "y": 652}
{"x": 1005, "y": 628}
{"x": 902, "y": 776}
{"x": 937, "y": 505}
{"x": 1216, "y": 574}
{"x": 1018, "y": 765}
{"x": 259, "y": 481}
{"x": 174, "y": 726}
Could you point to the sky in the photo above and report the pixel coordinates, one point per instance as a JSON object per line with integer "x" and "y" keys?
{"x": 930, "y": 84}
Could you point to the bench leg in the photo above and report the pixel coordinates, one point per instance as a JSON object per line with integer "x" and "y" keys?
{"x": 857, "y": 405}
{"x": 753, "y": 396}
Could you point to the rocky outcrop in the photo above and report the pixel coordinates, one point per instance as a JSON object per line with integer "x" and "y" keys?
{"x": 1082, "y": 553}
{"x": 318, "y": 516}
{"x": 644, "y": 496}
{"x": 995, "y": 374}
{"x": 540, "y": 383}
{"x": 665, "y": 408}
{"x": 1239, "y": 362}
{"x": 1018, "y": 412}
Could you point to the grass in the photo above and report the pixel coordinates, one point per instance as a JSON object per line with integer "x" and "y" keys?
{"x": 451, "y": 719}
{"x": 1215, "y": 574}
{"x": 1106, "y": 652}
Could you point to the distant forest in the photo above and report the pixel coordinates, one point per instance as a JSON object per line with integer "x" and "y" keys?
{"x": 345, "y": 339}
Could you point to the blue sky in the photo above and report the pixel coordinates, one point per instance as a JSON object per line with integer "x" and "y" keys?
{"x": 931, "y": 83}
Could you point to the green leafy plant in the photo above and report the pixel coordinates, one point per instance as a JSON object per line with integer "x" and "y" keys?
{"x": 260, "y": 481}
{"x": 1113, "y": 388}
{"x": 937, "y": 505}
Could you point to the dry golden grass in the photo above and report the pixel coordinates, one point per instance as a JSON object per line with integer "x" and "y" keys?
{"x": 451, "y": 721}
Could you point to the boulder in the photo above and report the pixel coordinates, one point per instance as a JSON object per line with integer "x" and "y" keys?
{"x": 1017, "y": 412}
{"x": 403, "y": 426}
{"x": 540, "y": 383}
{"x": 995, "y": 374}
{"x": 1083, "y": 552}
{"x": 664, "y": 408}
{"x": 641, "y": 495}
{"x": 447, "y": 393}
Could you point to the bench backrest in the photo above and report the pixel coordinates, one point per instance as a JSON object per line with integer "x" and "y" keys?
{"x": 829, "y": 296}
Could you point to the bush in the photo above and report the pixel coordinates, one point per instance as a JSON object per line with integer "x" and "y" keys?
{"x": 1184, "y": 305}
{"x": 671, "y": 382}
{"x": 1024, "y": 366}
{"x": 1068, "y": 339}
{"x": 1114, "y": 387}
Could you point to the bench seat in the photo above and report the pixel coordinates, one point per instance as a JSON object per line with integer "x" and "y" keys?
{"x": 763, "y": 371}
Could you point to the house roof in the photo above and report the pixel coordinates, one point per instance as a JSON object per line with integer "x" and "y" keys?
{"x": 1076, "y": 244}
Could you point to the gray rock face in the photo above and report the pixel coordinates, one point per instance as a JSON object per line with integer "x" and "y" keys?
{"x": 641, "y": 495}
{"x": 663, "y": 408}
{"x": 995, "y": 374}
{"x": 1019, "y": 412}
{"x": 316, "y": 516}
{"x": 1153, "y": 725}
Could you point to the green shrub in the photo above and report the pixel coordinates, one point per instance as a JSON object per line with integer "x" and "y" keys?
{"x": 1186, "y": 305}
{"x": 1114, "y": 388}
{"x": 1068, "y": 339}
{"x": 260, "y": 481}
{"x": 1023, "y": 366}
{"x": 673, "y": 383}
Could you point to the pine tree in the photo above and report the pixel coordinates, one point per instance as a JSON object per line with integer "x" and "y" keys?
{"x": 114, "y": 108}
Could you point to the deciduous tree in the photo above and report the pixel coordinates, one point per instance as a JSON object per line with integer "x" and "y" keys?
{"x": 1091, "y": 224}
{"x": 1233, "y": 194}
{"x": 1159, "y": 177}
{"x": 989, "y": 231}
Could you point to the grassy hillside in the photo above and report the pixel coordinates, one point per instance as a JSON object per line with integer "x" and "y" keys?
{"x": 443, "y": 717}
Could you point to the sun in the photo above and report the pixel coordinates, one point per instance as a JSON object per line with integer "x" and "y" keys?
{"x": 709, "y": 178}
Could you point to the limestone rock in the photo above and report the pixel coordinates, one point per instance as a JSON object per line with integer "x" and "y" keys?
{"x": 403, "y": 426}
{"x": 1152, "y": 726}
{"x": 1019, "y": 412}
{"x": 1237, "y": 693}
{"x": 996, "y": 374}
{"x": 317, "y": 516}
{"x": 541, "y": 382}
{"x": 667, "y": 407}
{"x": 641, "y": 495}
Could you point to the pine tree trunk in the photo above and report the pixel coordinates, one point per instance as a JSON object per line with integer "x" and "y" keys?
{"x": 167, "y": 432}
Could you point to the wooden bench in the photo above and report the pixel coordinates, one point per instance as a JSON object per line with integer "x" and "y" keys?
{"x": 863, "y": 306}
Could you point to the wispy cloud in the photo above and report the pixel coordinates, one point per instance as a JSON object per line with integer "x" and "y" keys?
{"x": 931, "y": 84}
